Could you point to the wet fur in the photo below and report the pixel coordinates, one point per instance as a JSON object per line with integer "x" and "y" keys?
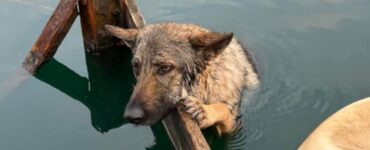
{"x": 347, "y": 129}
{"x": 212, "y": 74}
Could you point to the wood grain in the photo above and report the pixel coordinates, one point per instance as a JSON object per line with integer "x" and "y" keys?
{"x": 94, "y": 15}
{"x": 52, "y": 35}
{"x": 184, "y": 133}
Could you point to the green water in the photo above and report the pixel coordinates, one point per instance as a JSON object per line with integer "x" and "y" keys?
{"x": 313, "y": 57}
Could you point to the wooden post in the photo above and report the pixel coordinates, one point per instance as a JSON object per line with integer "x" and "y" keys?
{"x": 52, "y": 36}
{"x": 184, "y": 132}
{"x": 94, "y": 15}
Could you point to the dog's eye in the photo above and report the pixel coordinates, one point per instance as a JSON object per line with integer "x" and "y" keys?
{"x": 164, "y": 69}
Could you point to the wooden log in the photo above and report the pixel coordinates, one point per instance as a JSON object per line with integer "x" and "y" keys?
{"x": 52, "y": 35}
{"x": 183, "y": 131}
{"x": 94, "y": 15}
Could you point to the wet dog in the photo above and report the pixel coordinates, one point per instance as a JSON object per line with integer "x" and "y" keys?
{"x": 170, "y": 58}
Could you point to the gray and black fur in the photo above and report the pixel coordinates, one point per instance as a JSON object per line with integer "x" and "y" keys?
{"x": 212, "y": 67}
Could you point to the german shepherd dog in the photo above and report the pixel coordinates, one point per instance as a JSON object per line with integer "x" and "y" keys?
{"x": 171, "y": 59}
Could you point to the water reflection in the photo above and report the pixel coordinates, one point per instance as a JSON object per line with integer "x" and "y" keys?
{"x": 104, "y": 92}
{"x": 283, "y": 109}
{"x": 313, "y": 56}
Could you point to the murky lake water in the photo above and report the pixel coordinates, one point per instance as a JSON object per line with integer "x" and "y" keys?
{"x": 313, "y": 57}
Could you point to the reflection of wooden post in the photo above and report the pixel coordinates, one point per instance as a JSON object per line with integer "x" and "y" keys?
{"x": 52, "y": 35}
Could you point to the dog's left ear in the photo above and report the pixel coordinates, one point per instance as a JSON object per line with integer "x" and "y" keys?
{"x": 209, "y": 45}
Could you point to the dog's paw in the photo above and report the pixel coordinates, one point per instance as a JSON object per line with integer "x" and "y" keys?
{"x": 196, "y": 110}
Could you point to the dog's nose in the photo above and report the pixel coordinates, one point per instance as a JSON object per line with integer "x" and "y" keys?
{"x": 134, "y": 115}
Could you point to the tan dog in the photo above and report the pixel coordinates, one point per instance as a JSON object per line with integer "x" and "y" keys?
{"x": 168, "y": 58}
{"x": 347, "y": 129}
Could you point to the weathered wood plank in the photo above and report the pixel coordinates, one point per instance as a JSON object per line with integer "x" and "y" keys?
{"x": 94, "y": 15}
{"x": 184, "y": 133}
{"x": 88, "y": 24}
{"x": 52, "y": 35}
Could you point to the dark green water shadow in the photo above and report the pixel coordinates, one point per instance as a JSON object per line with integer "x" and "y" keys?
{"x": 104, "y": 92}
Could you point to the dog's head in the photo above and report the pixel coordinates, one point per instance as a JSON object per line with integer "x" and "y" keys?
{"x": 166, "y": 60}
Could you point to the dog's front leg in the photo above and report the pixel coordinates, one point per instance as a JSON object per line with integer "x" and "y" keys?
{"x": 208, "y": 115}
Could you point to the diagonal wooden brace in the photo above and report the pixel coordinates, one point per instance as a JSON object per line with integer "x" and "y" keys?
{"x": 52, "y": 36}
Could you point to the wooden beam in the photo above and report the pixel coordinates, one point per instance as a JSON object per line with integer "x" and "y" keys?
{"x": 94, "y": 15}
{"x": 184, "y": 132}
{"x": 52, "y": 35}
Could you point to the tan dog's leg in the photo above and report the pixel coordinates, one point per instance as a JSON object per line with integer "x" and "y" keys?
{"x": 207, "y": 115}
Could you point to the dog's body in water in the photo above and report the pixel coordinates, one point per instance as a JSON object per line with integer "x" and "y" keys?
{"x": 169, "y": 58}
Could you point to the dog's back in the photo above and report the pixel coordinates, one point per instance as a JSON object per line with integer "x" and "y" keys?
{"x": 227, "y": 75}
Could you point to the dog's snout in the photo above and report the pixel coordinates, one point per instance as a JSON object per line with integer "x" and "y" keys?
{"x": 134, "y": 115}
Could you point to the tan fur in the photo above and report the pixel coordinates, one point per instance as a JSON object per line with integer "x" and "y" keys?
{"x": 225, "y": 88}
{"x": 347, "y": 129}
{"x": 219, "y": 114}
{"x": 222, "y": 69}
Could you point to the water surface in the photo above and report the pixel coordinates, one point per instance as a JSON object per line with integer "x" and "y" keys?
{"x": 313, "y": 57}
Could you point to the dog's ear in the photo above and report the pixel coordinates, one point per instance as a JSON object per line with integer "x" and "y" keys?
{"x": 127, "y": 35}
{"x": 209, "y": 45}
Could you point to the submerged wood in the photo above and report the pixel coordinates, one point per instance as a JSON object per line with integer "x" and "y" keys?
{"x": 52, "y": 35}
